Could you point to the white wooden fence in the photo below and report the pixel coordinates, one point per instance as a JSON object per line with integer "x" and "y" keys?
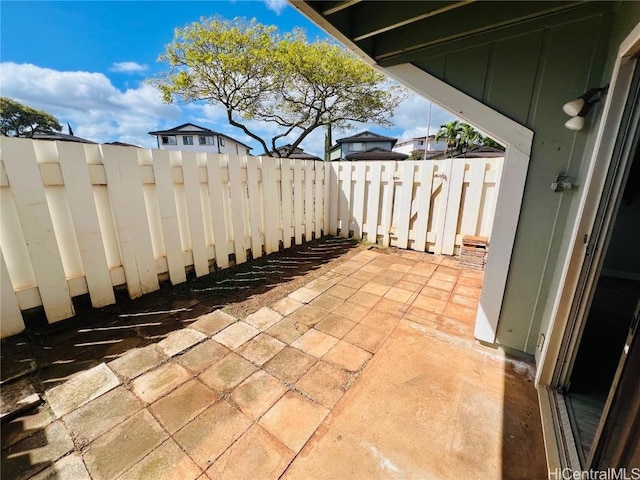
{"x": 419, "y": 205}
{"x": 78, "y": 219}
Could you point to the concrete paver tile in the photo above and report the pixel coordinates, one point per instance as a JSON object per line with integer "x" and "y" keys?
{"x": 473, "y": 292}
{"x": 347, "y": 268}
{"x": 353, "y": 282}
{"x": 442, "y": 295}
{"x": 460, "y": 312}
{"x": 213, "y": 322}
{"x": 100, "y": 415}
{"x": 261, "y": 349}
{"x": 399, "y": 295}
{"x": 365, "y": 337}
{"x": 304, "y": 295}
{"x": 373, "y": 268}
{"x": 382, "y": 321}
{"x": 453, "y": 272}
{"x": 364, "y": 276}
{"x": 287, "y": 330}
{"x": 392, "y": 307}
{"x": 327, "y": 302}
{"x": 257, "y": 393}
{"x": 423, "y": 317}
{"x": 308, "y": 315}
{"x": 347, "y": 356}
{"x": 470, "y": 281}
{"x": 324, "y": 383}
{"x": 341, "y": 291}
{"x": 407, "y": 285}
{"x": 315, "y": 343}
{"x": 414, "y": 277}
{"x": 429, "y": 304}
{"x": 236, "y": 334}
{"x": 425, "y": 269}
{"x": 167, "y": 462}
{"x": 22, "y": 426}
{"x": 352, "y": 311}
{"x": 389, "y": 277}
{"x": 182, "y": 405}
{"x": 263, "y": 318}
{"x": 206, "y": 437}
{"x": 465, "y": 301}
{"x": 441, "y": 284}
{"x": 36, "y": 452}
{"x": 286, "y": 305}
{"x": 158, "y": 382}
{"x": 445, "y": 278}
{"x": 323, "y": 283}
{"x": 256, "y": 451}
{"x": 81, "y": 389}
{"x": 70, "y": 467}
{"x": 227, "y": 373}
{"x": 180, "y": 340}
{"x": 396, "y": 267}
{"x": 203, "y": 356}
{"x": 335, "y": 325}
{"x": 123, "y": 446}
{"x": 293, "y": 419}
{"x": 136, "y": 362}
{"x": 365, "y": 299}
{"x": 375, "y": 288}
{"x": 289, "y": 365}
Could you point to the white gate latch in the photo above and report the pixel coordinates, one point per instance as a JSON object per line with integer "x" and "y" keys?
{"x": 561, "y": 184}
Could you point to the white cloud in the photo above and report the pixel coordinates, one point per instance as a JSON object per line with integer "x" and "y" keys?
{"x": 128, "y": 67}
{"x": 276, "y": 6}
{"x": 94, "y": 107}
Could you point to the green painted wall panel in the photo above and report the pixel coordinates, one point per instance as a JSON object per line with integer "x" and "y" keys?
{"x": 467, "y": 70}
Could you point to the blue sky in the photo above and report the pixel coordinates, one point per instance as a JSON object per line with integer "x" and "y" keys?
{"x": 88, "y": 61}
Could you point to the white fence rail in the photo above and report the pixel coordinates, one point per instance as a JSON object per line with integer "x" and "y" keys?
{"x": 425, "y": 206}
{"x": 78, "y": 219}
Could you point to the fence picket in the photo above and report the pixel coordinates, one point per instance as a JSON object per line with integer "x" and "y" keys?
{"x": 453, "y": 200}
{"x": 124, "y": 184}
{"x": 424, "y": 204}
{"x": 272, "y": 205}
{"x": 406, "y": 192}
{"x": 237, "y": 217}
{"x": 217, "y": 192}
{"x": 12, "y": 322}
{"x": 28, "y": 192}
{"x": 169, "y": 216}
{"x": 358, "y": 199}
{"x": 332, "y": 209}
{"x": 387, "y": 205}
{"x": 473, "y": 199}
{"x": 345, "y": 200}
{"x": 194, "y": 213}
{"x": 373, "y": 202}
{"x": 286, "y": 186}
{"x": 75, "y": 174}
{"x": 255, "y": 212}
{"x": 308, "y": 199}
{"x": 318, "y": 197}
{"x": 298, "y": 201}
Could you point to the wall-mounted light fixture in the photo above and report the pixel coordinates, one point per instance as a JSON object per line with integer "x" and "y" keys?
{"x": 579, "y": 108}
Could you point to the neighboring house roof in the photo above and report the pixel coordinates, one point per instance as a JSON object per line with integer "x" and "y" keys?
{"x": 298, "y": 153}
{"x": 63, "y": 137}
{"x": 481, "y": 151}
{"x": 377, "y": 153}
{"x": 122, "y": 144}
{"x": 414, "y": 139}
{"x": 193, "y": 129}
{"x": 366, "y": 136}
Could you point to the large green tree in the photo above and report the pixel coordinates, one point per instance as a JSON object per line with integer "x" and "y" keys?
{"x": 450, "y": 132}
{"x": 460, "y": 136}
{"x": 17, "y": 120}
{"x": 256, "y": 73}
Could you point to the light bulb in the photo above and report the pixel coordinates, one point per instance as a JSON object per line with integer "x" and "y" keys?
{"x": 573, "y": 107}
{"x": 575, "y": 123}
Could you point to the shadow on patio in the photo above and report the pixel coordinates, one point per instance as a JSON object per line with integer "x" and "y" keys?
{"x": 365, "y": 368}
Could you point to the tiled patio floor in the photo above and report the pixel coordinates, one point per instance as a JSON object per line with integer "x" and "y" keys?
{"x": 369, "y": 371}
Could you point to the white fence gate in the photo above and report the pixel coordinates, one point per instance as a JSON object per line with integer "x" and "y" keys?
{"x": 78, "y": 219}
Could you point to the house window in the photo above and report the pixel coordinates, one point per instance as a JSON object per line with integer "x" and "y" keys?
{"x": 355, "y": 147}
{"x": 421, "y": 142}
{"x": 204, "y": 140}
{"x": 169, "y": 140}
{"x": 221, "y": 141}
{"x": 187, "y": 140}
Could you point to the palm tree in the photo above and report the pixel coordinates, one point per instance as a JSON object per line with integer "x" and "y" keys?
{"x": 450, "y": 132}
{"x": 469, "y": 136}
